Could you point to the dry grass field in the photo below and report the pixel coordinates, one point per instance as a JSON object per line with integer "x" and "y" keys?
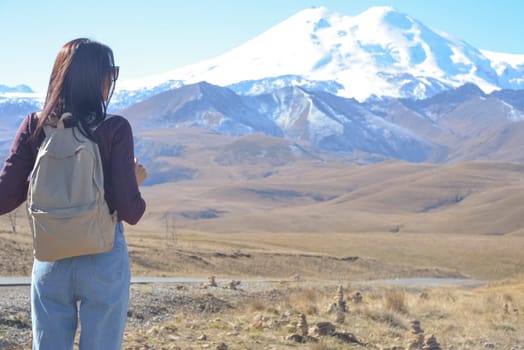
{"x": 317, "y": 317}
{"x": 315, "y": 226}
{"x": 401, "y": 219}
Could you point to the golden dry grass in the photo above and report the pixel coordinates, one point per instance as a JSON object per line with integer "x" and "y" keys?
{"x": 474, "y": 256}
{"x": 459, "y": 319}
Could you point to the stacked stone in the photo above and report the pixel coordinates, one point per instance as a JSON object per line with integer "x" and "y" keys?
{"x": 303, "y": 326}
{"x": 357, "y": 298}
{"x": 211, "y": 282}
{"x": 339, "y": 300}
{"x": 339, "y": 306}
{"x": 340, "y": 317}
{"x": 417, "y": 336}
{"x": 303, "y": 332}
{"x": 431, "y": 343}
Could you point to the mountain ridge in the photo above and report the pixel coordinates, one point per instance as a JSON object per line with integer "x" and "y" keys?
{"x": 445, "y": 127}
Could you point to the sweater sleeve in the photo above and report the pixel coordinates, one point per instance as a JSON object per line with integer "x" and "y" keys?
{"x": 127, "y": 200}
{"x": 17, "y": 167}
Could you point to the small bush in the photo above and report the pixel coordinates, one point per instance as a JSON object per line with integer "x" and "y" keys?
{"x": 395, "y": 300}
{"x": 388, "y": 317}
{"x": 257, "y": 305}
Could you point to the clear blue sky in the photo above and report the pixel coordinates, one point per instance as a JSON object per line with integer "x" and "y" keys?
{"x": 155, "y": 36}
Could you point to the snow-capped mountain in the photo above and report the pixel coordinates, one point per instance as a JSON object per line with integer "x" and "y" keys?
{"x": 380, "y": 85}
{"x": 380, "y": 52}
{"x": 458, "y": 124}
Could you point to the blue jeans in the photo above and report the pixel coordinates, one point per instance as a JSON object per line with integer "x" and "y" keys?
{"x": 100, "y": 285}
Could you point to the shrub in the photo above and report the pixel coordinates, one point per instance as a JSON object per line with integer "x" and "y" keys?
{"x": 395, "y": 300}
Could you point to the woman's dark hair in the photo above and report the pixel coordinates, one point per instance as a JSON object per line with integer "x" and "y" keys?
{"x": 81, "y": 71}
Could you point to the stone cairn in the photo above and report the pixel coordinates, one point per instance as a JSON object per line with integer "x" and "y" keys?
{"x": 357, "y": 298}
{"x": 507, "y": 308}
{"x": 416, "y": 340}
{"x": 339, "y": 300}
{"x": 302, "y": 334}
{"x": 303, "y": 327}
{"x": 339, "y": 306}
{"x": 211, "y": 281}
{"x": 430, "y": 343}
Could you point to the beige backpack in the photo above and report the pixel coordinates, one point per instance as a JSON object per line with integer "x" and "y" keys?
{"x": 67, "y": 211}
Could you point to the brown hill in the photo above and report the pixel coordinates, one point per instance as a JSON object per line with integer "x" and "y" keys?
{"x": 266, "y": 184}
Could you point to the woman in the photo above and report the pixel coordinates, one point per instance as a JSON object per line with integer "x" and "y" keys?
{"x": 81, "y": 83}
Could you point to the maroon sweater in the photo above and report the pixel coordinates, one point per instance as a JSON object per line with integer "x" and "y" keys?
{"x": 115, "y": 142}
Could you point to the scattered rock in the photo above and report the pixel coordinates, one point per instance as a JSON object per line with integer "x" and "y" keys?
{"x": 297, "y": 338}
{"x": 222, "y": 346}
{"x": 233, "y": 285}
{"x": 430, "y": 343}
{"x": 324, "y": 328}
{"x": 203, "y": 337}
{"x": 260, "y": 322}
{"x": 346, "y": 337}
{"x": 328, "y": 329}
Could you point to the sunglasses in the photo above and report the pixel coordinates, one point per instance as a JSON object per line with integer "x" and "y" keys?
{"x": 115, "y": 71}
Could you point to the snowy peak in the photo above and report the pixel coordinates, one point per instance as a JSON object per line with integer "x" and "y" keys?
{"x": 383, "y": 17}
{"x": 380, "y": 52}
